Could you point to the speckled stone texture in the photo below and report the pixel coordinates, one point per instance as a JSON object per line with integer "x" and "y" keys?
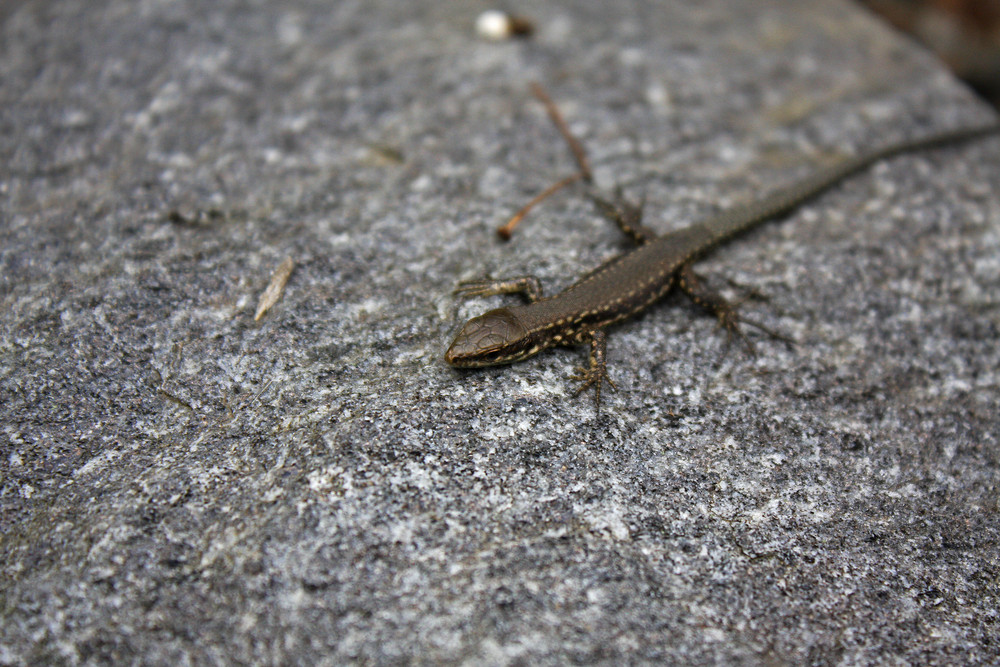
{"x": 180, "y": 484}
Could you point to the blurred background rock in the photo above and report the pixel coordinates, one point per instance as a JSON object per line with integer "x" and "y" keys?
{"x": 964, "y": 33}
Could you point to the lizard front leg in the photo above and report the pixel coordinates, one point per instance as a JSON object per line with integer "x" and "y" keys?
{"x": 527, "y": 286}
{"x": 597, "y": 372}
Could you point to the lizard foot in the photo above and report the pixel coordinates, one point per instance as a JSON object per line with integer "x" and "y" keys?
{"x": 593, "y": 376}
{"x": 731, "y": 321}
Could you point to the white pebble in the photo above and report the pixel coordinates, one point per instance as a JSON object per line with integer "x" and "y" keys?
{"x": 493, "y": 24}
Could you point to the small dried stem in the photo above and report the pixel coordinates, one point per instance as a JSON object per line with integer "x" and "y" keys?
{"x": 507, "y": 229}
{"x": 579, "y": 154}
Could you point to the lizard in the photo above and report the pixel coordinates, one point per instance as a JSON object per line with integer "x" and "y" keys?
{"x": 629, "y": 283}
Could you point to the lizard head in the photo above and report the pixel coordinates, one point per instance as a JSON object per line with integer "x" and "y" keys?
{"x": 490, "y": 339}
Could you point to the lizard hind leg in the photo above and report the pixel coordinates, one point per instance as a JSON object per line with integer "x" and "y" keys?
{"x": 727, "y": 313}
{"x": 627, "y": 215}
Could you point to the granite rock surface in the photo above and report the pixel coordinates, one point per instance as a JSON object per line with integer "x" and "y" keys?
{"x": 181, "y": 483}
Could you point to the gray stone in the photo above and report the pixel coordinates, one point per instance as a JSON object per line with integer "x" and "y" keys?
{"x": 180, "y": 484}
